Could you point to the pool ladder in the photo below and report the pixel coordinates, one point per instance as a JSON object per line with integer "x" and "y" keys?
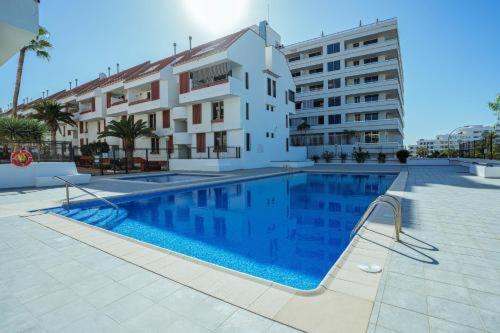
{"x": 68, "y": 183}
{"x": 391, "y": 201}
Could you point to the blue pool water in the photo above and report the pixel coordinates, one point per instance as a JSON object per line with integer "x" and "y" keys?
{"x": 169, "y": 178}
{"x": 288, "y": 229}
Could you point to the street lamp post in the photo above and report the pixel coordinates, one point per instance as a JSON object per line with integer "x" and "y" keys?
{"x": 449, "y": 137}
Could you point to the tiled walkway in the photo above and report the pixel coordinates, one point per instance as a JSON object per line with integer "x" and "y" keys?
{"x": 445, "y": 275}
{"x": 52, "y": 283}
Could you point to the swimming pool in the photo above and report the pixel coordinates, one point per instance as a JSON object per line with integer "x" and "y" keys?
{"x": 168, "y": 178}
{"x": 287, "y": 229}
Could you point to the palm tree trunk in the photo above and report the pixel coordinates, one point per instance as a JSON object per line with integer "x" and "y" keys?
{"x": 17, "y": 86}
{"x": 53, "y": 146}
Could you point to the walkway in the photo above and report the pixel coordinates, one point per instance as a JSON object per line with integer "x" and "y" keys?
{"x": 445, "y": 275}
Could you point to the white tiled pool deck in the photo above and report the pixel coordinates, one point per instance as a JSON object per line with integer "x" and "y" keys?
{"x": 443, "y": 277}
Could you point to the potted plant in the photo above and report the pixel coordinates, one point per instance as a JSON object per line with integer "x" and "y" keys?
{"x": 381, "y": 157}
{"x": 360, "y": 156}
{"x": 343, "y": 157}
{"x": 315, "y": 158}
{"x": 403, "y": 155}
{"x": 328, "y": 156}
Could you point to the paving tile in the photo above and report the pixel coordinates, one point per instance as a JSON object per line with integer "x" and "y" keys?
{"x": 139, "y": 280}
{"x": 91, "y": 284}
{"x": 280, "y": 328}
{"x": 401, "y": 320}
{"x": 94, "y": 322}
{"x": 154, "y": 319}
{"x": 444, "y": 276}
{"x": 159, "y": 289}
{"x": 126, "y": 307}
{"x": 245, "y": 322}
{"x": 485, "y": 301}
{"x": 107, "y": 295}
{"x": 405, "y": 299}
{"x": 442, "y": 326}
{"x": 50, "y": 302}
{"x": 448, "y": 291}
{"x": 67, "y": 314}
{"x": 122, "y": 272}
{"x": 491, "y": 320}
{"x": 455, "y": 312}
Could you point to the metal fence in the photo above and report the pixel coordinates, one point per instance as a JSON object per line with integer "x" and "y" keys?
{"x": 337, "y": 152}
{"x": 485, "y": 148}
{"x": 44, "y": 151}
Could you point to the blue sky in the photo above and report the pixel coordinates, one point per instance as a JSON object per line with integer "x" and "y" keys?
{"x": 450, "y": 49}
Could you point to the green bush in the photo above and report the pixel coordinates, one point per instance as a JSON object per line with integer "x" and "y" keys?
{"x": 315, "y": 158}
{"x": 94, "y": 148}
{"x": 343, "y": 157}
{"x": 403, "y": 155}
{"x": 381, "y": 157}
{"x": 21, "y": 130}
{"x": 360, "y": 156}
{"x": 328, "y": 156}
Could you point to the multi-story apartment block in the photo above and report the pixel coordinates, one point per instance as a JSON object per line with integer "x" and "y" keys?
{"x": 461, "y": 135}
{"x": 349, "y": 90}
{"x": 222, "y": 105}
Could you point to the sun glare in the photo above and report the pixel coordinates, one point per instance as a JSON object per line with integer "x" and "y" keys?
{"x": 216, "y": 16}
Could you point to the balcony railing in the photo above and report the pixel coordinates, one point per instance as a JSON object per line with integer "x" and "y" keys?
{"x": 139, "y": 101}
{"x": 205, "y": 153}
{"x": 210, "y": 84}
{"x": 119, "y": 102}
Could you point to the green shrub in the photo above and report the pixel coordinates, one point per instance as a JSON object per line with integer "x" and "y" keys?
{"x": 360, "y": 156}
{"x": 315, "y": 158}
{"x": 343, "y": 157}
{"x": 402, "y": 155}
{"x": 94, "y": 148}
{"x": 328, "y": 156}
{"x": 381, "y": 157}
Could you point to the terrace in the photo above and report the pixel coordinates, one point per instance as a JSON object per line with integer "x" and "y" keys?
{"x": 66, "y": 275}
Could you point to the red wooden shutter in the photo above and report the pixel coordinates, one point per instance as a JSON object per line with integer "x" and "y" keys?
{"x": 93, "y": 103}
{"x": 200, "y": 142}
{"x": 166, "y": 119}
{"x": 98, "y": 126}
{"x": 108, "y": 100}
{"x": 184, "y": 82}
{"x": 155, "y": 90}
{"x": 170, "y": 143}
{"x": 81, "y": 142}
{"x": 81, "y": 127}
{"x": 197, "y": 114}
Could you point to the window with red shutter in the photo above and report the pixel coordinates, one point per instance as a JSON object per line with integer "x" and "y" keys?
{"x": 166, "y": 119}
{"x": 184, "y": 82}
{"x": 108, "y": 100}
{"x": 200, "y": 142}
{"x": 170, "y": 144}
{"x": 196, "y": 114}
{"x": 81, "y": 127}
{"x": 93, "y": 104}
{"x": 155, "y": 90}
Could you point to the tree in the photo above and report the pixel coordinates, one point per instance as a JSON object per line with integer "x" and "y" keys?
{"x": 422, "y": 151}
{"x": 495, "y": 107}
{"x": 349, "y": 134}
{"x": 128, "y": 131}
{"x": 21, "y": 130}
{"x": 51, "y": 113}
{"x": 304, "y": 127}
{"x": 40, "y": 45}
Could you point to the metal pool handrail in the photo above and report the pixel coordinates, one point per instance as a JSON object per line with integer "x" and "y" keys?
{"x": 67, "y": 183}
{"x": 396, "y": 208}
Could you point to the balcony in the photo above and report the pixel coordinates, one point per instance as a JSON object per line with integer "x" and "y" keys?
{"x": 144, "y": 105}
{"x": 118, "y": 108}
{"x": 179, "y": 112}
{"x": 213, "y": 91}
{"x": 182, "y": 138}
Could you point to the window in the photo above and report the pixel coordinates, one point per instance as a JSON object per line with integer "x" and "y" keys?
{"x": 334, "y": 101}
{"x": 220, "y": 141}
{"x": 286, "y": 121}
{"x": 318, "y": 103}
{"x": 316, "y": 70}
{"x": 218, "y": 111}
{"x": 357, "y": 117}
{"x": 269, "y": 86}
{"x": 334, "y": 84}
{"x": 333, "y": 65}
{"x": 267, "y": 134}
{"x": 357, "y": 99}
{"x": 247, "y": 82}
{"x": 287, "y": 145}
{"x": 356, "y": 80}
{"x": 272, "y": 135}
{"x": 155, "y": 145}
{"x": 355, "y": 63}
{"x": 166, "y": 118}
{"x": 370, "y": 60}
{"x": 355, "y": 44}
{"x": 291, "y": 96}
{"x": 371, "y": 98}
{"x": 333, "y": 48}
{"x": 314, "y": 54}
{"x": 196, "y": 114}
{"x": 371, "y": 137}
{"x": 200, "y": 142}
{"x": 371, "y": 116}
{"x": 334, "y": 119}
{"x": 274, "y": 88}
{"x": 294, "y": 74}
{"x": 370, "y": 79}
{"x": 371, "y": 41}
{"x": 286, "y": 96}
{"x": 152, "y": 121}
{"x": 247, "y": 142}
{"x": 321, "y": 120}
{"x": 294, "y": 58}
{"x": 247, "y": 111}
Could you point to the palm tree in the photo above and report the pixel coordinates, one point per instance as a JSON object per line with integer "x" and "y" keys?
{"x": 128, "y": 131}
{"x": 40, "y": 45}
{"x": 51, "y": 113}
{"x": 304, "y": 127}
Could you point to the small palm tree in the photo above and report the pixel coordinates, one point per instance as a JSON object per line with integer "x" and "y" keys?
{"x": 304, "y": 127}
{"x": 40, "y": 45}
{"x": 495, "y": 107}
{"x": 128, "y": 131}
{"x": 51, "y": 113}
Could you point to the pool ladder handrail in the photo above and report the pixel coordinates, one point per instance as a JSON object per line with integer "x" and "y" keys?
{"x": 68, "y": 183}
{"x": 394, "y": 203}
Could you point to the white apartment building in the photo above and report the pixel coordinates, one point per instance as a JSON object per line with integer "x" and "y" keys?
{"x": 440, "y": 143}
{"x": 223, "y": 105}
{"x": 349, "y": 90}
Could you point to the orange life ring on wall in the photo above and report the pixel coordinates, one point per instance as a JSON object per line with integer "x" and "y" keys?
{"x": 21, "y": 158}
